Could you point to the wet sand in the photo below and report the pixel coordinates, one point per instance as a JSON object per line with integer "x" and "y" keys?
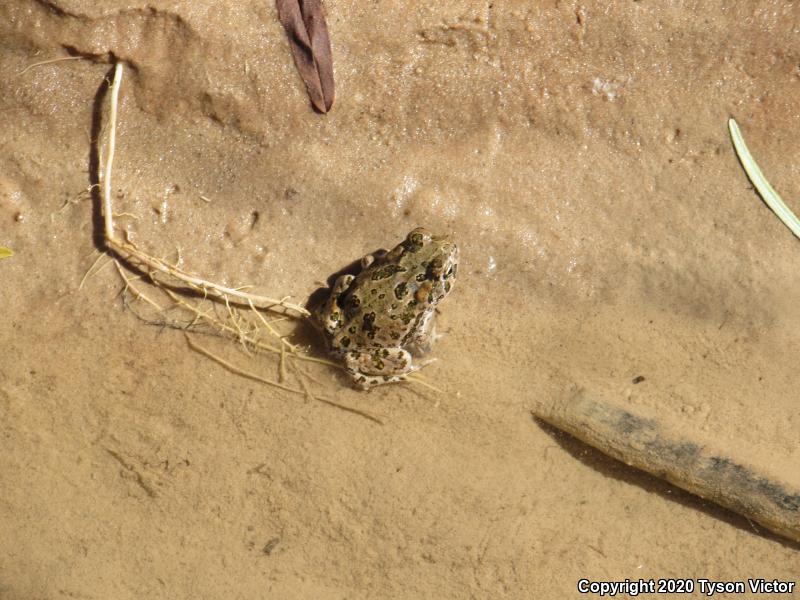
{"x": 579, "y": 155}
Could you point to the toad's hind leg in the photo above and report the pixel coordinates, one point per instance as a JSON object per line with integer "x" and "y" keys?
{"x": 369, "y": 368}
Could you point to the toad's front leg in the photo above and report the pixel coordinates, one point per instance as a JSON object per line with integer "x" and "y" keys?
{"x": 330, "y": 313}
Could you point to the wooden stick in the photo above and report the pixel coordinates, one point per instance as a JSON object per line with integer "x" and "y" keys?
{"x": 645, "y": 443}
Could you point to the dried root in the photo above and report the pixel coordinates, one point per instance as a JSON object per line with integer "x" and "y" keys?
{"x": 209, "y": 307}
{"x": 131, "y": 253}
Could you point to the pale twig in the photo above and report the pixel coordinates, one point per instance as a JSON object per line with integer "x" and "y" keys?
{"x": 47, "y": 62}
{"x": 272, "y": 330}
{"x": 306, "y": 374}
{"x": 418, "y": 379}
{"x": 129, "y": 285}
{"x": 234, "y": 369}
{"x": 89, "y": 272}
{"x": 311, "y": 396}
{"x": 74, "y": 200}
{"x": 296, "y": 367}
{"x": 295, "y": 351}
{"x": 765, "y": 190}
{"x": 319, "y": 361}
{"x": 227, "y": 328}
{"x": 130, "y": 251}
{"x": 240, "y": 333}
{"x": 355, "y": 411}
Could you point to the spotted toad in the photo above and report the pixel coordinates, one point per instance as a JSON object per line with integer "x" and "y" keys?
{"x": 376, "y": 320}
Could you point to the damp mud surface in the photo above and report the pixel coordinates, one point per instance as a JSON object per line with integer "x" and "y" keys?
{"x": 576, "y": 151}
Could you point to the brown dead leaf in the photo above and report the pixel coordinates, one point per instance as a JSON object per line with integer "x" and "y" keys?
{"x": 305, "y": 25}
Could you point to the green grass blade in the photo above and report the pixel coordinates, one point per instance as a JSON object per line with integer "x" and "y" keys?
{"x": 765, "y": 190}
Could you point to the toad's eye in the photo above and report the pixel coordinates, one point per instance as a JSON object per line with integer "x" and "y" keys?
{"x": 414, "y": 241}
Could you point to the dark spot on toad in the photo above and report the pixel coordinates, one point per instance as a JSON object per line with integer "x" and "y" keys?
{"x": 386, "y": 271}
{"x": 369, "y": 322}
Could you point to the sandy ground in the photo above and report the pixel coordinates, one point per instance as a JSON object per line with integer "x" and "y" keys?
{"x": 576, "y": 151}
